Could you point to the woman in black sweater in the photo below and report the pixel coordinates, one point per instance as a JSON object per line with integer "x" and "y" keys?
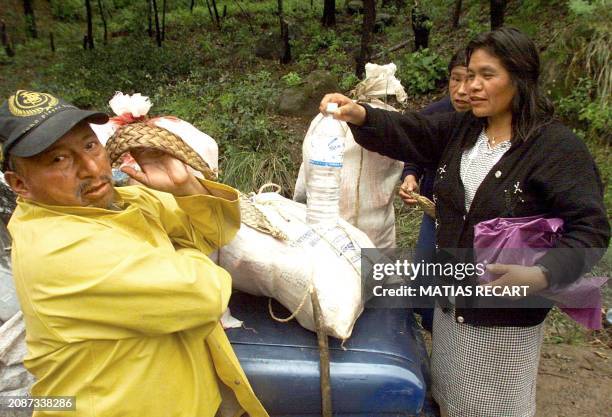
{"x": 505, "y": 158}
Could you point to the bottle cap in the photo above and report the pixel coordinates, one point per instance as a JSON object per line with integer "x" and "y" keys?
{"x": 331, "y": 107}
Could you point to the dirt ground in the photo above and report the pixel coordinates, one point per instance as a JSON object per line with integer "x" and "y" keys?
{"x": 574, "y": 381}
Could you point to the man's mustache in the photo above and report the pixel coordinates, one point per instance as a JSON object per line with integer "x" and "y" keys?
{"x": 88, "y": 184}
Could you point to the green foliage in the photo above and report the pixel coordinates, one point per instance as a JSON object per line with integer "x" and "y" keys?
{"x": 248, "y": 171}
{"x": 119, "y": 4}
{"x": 475, "y": 27}
{"x": 579, "y": 109}
{"x": 408, "y": 223}
{"x": 292, "y": 79}
{"x": 348, "y": 81}
{"x": 68, "y": 10}
{"x": 581, "y": 7}
{"x": 598, "y": 115}
{"x": 325, "y": 39}
{"x": 89, "y": 78}
{"x": 421, "y": 71}
{"x": 243, "y": 106}
{"x": 530, "y": 7}
{"x": 578, "y": 63}
{"x": 591, "y": 36}
{"x": 236, "y": 113}
{"x": 255, "y": 150}
{"x": 570, "y": 106}
{"x": 133, "y": 20}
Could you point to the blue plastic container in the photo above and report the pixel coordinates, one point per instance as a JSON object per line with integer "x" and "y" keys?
{"x": 382, "y": 372}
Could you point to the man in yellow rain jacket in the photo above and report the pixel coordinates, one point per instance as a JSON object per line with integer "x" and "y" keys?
{"x": 120, "y": 301}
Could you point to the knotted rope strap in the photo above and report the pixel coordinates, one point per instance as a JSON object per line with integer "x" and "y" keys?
{"x": 255, "y": 218}
{"x": 142, "y": 135}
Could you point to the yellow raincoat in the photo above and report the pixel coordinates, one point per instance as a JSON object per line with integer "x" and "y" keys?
{"x": 122, "y": 307}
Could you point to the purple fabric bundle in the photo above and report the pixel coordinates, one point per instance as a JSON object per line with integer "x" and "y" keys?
{"x": 522, "y": 241}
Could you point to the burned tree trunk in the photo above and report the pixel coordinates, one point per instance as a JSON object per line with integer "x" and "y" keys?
{"x": 498, "y": 8}
{"x": 163, "y": 35}
{"x": 52, "y": 42}
{"x": 210, "y": 12}
{"x": 217, "y": 18}
{"x": 158, "y": 38}
{"x": 286, "y": 52}
{"x": 191, "y": 6}
{"x": 248, "y": 17}
{"x": 89, "y": 42}
{"x": 369, "y": 17}
{"x": 420, "y": 26}
{"x": 6, "y": 43}
{"x": 329, "y": 13}
{"x": 457, "y": 14}
{"x": 150, "y": 17}
{"x": 28, "y": 11}
{"x": 103, "y": 21}
{"x": 285, "y": 56}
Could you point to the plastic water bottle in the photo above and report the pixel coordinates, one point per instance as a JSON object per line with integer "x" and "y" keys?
{"x": 323, "y": 168}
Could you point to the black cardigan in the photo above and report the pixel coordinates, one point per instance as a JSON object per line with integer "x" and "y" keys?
{"x": 551, "y": 174}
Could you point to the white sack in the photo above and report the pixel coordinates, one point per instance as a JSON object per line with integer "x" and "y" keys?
{"x": 284, "y": 269}
{"x": 380, "y": 82}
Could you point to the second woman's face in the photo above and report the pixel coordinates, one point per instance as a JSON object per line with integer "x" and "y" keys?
{"x": 490, "y": 87}
{"x": 457, "y": 88}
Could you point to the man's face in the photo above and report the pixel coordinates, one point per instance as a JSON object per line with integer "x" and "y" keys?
{"x": 74, "y": 171}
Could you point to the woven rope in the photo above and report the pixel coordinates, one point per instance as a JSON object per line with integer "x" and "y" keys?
{"x": 255, "y": 218}
{"x": 358, "y": 196}
{"x": 141, "y": 135}
{"x": 424, "y": 203}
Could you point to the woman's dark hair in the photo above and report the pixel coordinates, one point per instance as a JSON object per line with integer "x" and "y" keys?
{"x": 458, "y": 60}
{"x": 531, "y": 109}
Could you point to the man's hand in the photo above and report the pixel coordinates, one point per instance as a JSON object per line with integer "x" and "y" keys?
{"x": 348, "y": 110}
{"x": 410, "y": 184}
{"x": 518, "y": 275}
{"x": 163, "y": 172}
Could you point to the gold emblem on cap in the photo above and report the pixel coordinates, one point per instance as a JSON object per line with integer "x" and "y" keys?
{"x": 30, "y": 103}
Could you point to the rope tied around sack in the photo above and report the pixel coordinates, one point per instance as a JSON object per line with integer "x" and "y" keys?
{"x": 253, "y": 217}
{"x": 297, "y": 310}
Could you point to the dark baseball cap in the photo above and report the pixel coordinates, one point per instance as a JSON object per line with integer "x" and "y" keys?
{"x": 30, "y": 122}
